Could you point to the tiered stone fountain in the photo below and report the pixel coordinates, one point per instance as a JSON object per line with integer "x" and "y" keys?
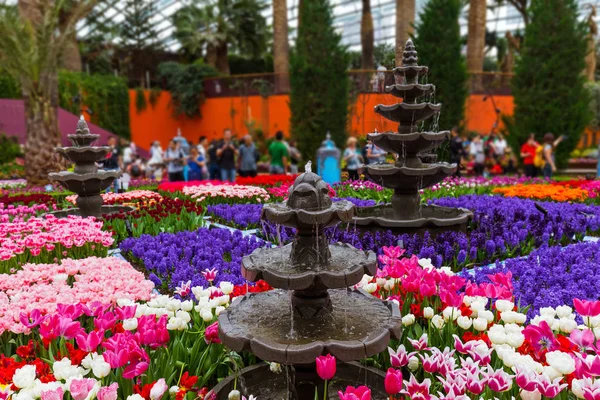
{"x": 410, "y": 174}
{"x": 86, "y": 180}
{"x": 313, "y": 311}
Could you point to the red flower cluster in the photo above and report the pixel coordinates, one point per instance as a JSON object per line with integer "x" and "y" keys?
{"x": 159, "y": 210}
{"x": 240, "y": 290}
{"x": 28, "y": 199}
{"x": 9, "y": 365}
{"x": 266, "y": 180}
{"x": 178, "y": 186}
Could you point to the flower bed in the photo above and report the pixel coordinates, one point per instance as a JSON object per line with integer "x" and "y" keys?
{"x": 44, "y": 286}
{"x": 123, "y": 198}
{"x": 48, "y": 239}
{"x": 12, "y": 183}
{"x": 266, "y": 180}
{"x": 28, "y": 199}
{"x": 553, "y": 276}
{"x": 178, "y": 186}
{"x": 218, "y": 194}
{"x": 282, "y": 192}
{"x": 11, "y": 212}
{"x": 544, "y": 192}
{"x": 172, "y": 259}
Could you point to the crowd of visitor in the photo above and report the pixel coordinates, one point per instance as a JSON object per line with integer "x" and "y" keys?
{"x": 227, "y": 157}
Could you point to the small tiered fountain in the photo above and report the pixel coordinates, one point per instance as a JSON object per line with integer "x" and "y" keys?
{"x": 313, "y": 311}
{"x": 410, "y": 174}
{"x": 86, "y": 180}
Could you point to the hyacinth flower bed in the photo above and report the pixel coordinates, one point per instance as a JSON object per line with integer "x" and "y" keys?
{"x": 247, "y": 216}
{"x": 49, "y": 239}
{"x": 200, "y": 257}
{"x": 551, "y": 276}
{"x": 461, "y": 339}
{"x": 502, "y": 228}
{"x": 43, "y": 287}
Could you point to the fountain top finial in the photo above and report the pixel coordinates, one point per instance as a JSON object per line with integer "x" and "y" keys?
{"x": 309, "y": 191}
{"x": 82, "y": 127}
{"x": 409, "y": 56}
{"x": 308, "y": 166}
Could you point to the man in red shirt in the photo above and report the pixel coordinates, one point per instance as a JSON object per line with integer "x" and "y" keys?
{"x": 528, "y": 155}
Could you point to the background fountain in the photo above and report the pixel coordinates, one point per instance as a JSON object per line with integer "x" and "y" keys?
{"x": 312, "y": 312}
{"x": 86, "y": 180}
{"x": 409, "y": 174}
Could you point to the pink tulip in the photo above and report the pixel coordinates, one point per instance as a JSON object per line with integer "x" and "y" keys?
{"x": 474, "y": 383}
{"x": 399, "y": 358}
{"x": 326, "y": 367}
{"x": 591, "y": 389}
{"x": 56, "y": 394}
{"x": 138, "y": 362}
{"x": 583, "y": 338}
{"x": 587, "y": 365}
{"x": 526, "y": 380}
{"x": 454, "y": 383}
{"x": 80, "y": 388}
{"x": 416, "y": 390}
{"x": 430, "y": 363}
{"x": 106, "y": 322}
{"x": 117, "y": 358}
{"x": 126, "y": 312}
{"x": 462, "y": 348}
{"x": 152, "y": 332}
{"x": 185, "y": 288}
{"x": 587, "y": 308}
{"x": 393, "y": 381}
{"x": 420, "y": 344}
{"x": 33, "y": 320}
{"x": 541, "y": 337}
{"x": 211, "y": 334}
{"x": 158, "y": 389}
{"x": 550, "y": 388}
{"x": 108, "y": 392}
{"x": 498, "y": 381}
{"x": 209, "y": 274}
{"x": 89, "y": 342}
{"x": 359, "y": 393}
{"x": 72, "y": 311}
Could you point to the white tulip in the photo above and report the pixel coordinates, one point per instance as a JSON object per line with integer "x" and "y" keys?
{"x": 381, "y": 282}
{"x": 24, "y": 377}
{"x": 577, "y": 387}
{"x": 408, "y": 320}
{"x": 428, "y": 312}
{"x": 219, "y": 310}
{"x": 135, "y": 397}
{"x": 480, "y": 324}
{"x": 130, "y": 324}
{"x": 187, "y": 305}
{"x": 497, "y": 335}
{"x": 451, "y": 313}
{"x": 551, "y": 312}
{"x": 564, "y": 311}
{"x": 464, "y": 322}
{"x": 504, "y": 305}
{"x": 226, "y": 287}
{"x": 370, "y": 287}
{"x": 567, "y": 325}
{"x": 438, "y": 321}
{"x": 515, "y": 340}
{"x": 206, "y": 315}
{"x": 562, "y": 362}
{"x": 487, "y": 315}
{"x": 413, "y": 363}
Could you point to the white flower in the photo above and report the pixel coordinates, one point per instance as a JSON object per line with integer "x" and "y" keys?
{"x": 125, "y": 302}
{"x": 564, "y": 311}
{"x": 24, "y": 377}
{"x": 521, "y": 318}
{"x": 234, "y": 395}
{"x": 365, "y": 279}
{"x": 275, "y": 368}
{"x": 173, "y": 305}
{"x": 451, "y": 313}
{"x": 187, "y": 305}
{"x": 381, "y": 282}
{"x": 63, "y": 370}
{"x": 551, "y": 372}
{"x": 487, "y": 315}
{"x": 551, "y": 312}
{"x": 446, "y": 270}
{"x": 438, "y": 321}
{"x": 562, "y": 362}
{"x": 158, "y": 389}
{"x": 497, "y": 334}
{"x": 413, "y": 363}
{"x": 370, "y": 287}
{"x": 577, "y": 387}
{"x": 130, "y": 324}
{"x": 135, "y": 397}
{"x": 567, "y": 325}
{"x": 219, "y": 310}
{"x": 408, "y": 320}
{"x": 595, "y": 321}
{"x": 464, "y": 322}
{"x": 428, "y": 312}
{"x": 389, "y": 285}
{"x": 173, "y": 390}
{"x": 480, "y": 324}
{"x": 226, "y": 287}
{"x": 176, "y": 324}
{"x": 504, "y": 305}
{"x": 425, "y": 263}
{"x": 206, "y": 315}
{"x": 183, "y": 315}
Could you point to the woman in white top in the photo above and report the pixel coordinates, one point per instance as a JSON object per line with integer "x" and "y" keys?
{"x": 155, "y": 164}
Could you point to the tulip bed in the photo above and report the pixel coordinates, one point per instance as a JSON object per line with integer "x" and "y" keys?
{"x": 76, "y": 323}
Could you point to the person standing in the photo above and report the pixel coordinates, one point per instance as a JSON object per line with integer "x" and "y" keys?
{"x": 114, "y": 161}
{"x": 202, "y": 152}
{"x": 478, "y": 153}
{"x": 295, "y": 157}
{"x": 226, "y": 154}
{"x": 375, "y": 154}
{"x": 248, "y": 157}
{"x": 499, "y": 146}
{"x": 155, "y": 164}
{"x": 457, "y": 150}
{"x": 175, "y": 160}
{"x": 548, "y": 154}
{"x": 214, "y": 171}
{"x": 278, "y": 152}
{"x": 353, "y": 159}
{"x": 196, "y": 165}
{"x": 528, "y": 151}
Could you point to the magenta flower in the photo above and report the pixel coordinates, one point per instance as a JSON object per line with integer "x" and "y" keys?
{"x": 211, "y": 334}
{"x": 420, "y": 344}
{"x": 72, "y": 311}
{"x": 399, "y": 358}
{"x": 462, "y": 348}
{"x": 526, "y": 380}
{"x": 56, "y": 394}
{"x": 583, "y": 338}
{"x": 210, "y": 274}
{"x": 152, "y": 332}
{"x": 591, "y": 389}
{"x": 498, "y": 381}
{"x": 393, "y": 381}
{"x": 80, "y": 388}
{"x": 138, "y": 363}
{"x": 89, "y": 342}
{"x": 550, "y": 388}
{"x": 108, "y": 392}
{"x": 475, "y": 383}
{"x": 416, "y": 390}
{"x": 185, "y": 288}
{"x": 587, "y": 365}
{"x": 358, "y": 393}
{"x": 126, "y": 312}
{"x": 587, "y": 308}
{"x": 116, "y": 358}
{"x": 32, "y": 320}
{"x": 326, "y": 367}
{"x": 541, "y": 337}
{"x": 106, "y": 322}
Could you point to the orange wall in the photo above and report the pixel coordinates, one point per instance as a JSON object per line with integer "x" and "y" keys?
{"x": 158, "y": 123}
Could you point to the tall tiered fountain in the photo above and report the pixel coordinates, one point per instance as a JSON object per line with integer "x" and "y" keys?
{"x": 410, "y": 174}
{"x": 86, "y": 180}
{"x": 313, "y": 311}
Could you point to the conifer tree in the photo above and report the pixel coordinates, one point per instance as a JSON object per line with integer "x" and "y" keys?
{"x": 438, "y": 42}
{"x": 548, "y": 86}
{"x": 319, "y": 80}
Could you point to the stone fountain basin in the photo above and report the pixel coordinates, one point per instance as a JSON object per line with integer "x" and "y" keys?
{"x": 409, "y": 179}
{"x": 358, "y": 326}
{"x": 408, "y": 143}
{"x": 346, "y": 268}
{"x": 406, "y": 113}
{"x": 83, "y": 155}
{"x": 308, "y": 219}
{"x": 432, "y": 219}
{"x": 410, "y": 91}
{"x": 83, "y": 140}
{"x": 91, "y": 183}
{"x": 258, "y": 380}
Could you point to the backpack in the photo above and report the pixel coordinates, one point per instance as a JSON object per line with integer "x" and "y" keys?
{"x": 538, "y": 160}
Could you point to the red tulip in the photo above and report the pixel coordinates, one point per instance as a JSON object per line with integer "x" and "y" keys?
{"x": 326, "y": 366}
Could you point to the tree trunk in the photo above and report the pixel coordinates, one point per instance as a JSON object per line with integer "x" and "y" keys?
{"x": 405, "y": 19}
{"x": 43, "y": 135}
{"x": 71, "y": 58}
{"x": 590, "y": 59}
{"x": 223, "y": 58}
{"x": 281, "y": 62}
{"x": 367, "y": 39}
{"x": 476, "y": 40}
{"x": 211, "y": 55}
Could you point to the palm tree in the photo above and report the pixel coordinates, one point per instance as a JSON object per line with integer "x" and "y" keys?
{"x": 281, "y": 51}
{"x": 367, "y": 40}
{"x": 476, "y": 35}
{"x": 405, "y": 19}
{"x": 31, "y": 43}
